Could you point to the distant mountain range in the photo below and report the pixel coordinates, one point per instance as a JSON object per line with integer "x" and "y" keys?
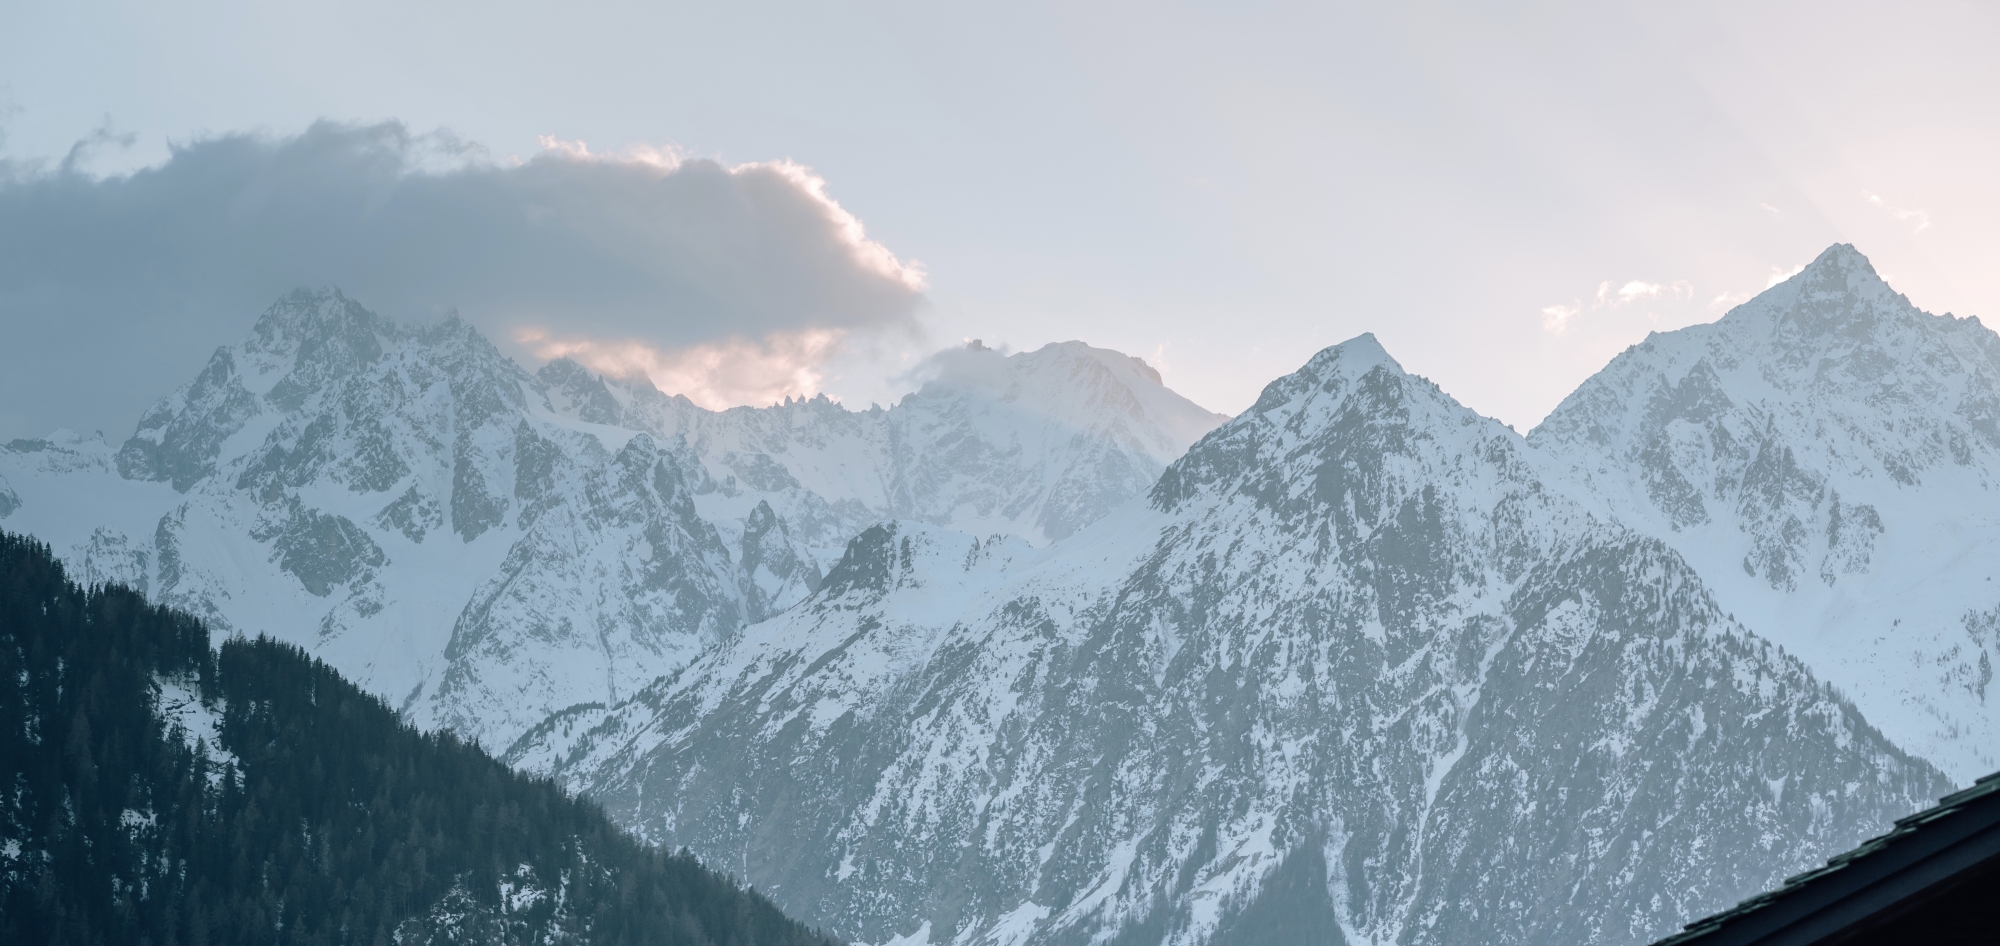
{"x": 484, "y": 546}
{"x": 1047, "y": 654}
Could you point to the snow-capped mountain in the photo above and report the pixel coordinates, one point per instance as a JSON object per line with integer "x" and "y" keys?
{"x": 1035, "y": 445}
{"x": 1363, "y": 668}
{"x": 484, "y": 546}
{"x": 1827, "y": 456}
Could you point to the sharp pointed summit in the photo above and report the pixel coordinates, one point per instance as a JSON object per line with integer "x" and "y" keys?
{"x": 1348, "y": 360}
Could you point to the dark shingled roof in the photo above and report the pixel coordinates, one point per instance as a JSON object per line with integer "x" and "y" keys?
{"x": 1923, "y": 872}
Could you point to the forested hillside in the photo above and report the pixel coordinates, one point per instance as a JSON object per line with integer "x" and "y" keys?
{"x": 160, "y": 792}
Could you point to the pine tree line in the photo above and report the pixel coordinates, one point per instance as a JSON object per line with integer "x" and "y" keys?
{"x": 322, "y": 818}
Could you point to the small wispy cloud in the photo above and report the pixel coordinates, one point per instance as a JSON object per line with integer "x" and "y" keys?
{"x": 100, "y": 137}
{"x": 1555, "y": 318}
{"x": 1919, "y": 220}
{"x": 1639, "y": 290}
{"x": 1775, "y": 212}
{"x": 1612, "y": 294}
{"x": 1631, "y": 291}
{"x": 1780, "y": 275}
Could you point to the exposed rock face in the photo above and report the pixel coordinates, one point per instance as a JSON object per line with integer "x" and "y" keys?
{"x": 403, "y": 502}
{"x": 776, "y": 572}
{"x": 1363, "y": 669}
{"x": 485, "y": 546}
{"x": 1825, "y": 456}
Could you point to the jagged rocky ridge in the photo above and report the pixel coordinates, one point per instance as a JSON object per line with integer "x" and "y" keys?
{"x": 1363, "y": 668}
{"x": 484, "y": 546}
{"x": 1825, "y": 457}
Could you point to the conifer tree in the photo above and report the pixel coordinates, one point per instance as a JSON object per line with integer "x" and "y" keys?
{"x": 317, "y": 816}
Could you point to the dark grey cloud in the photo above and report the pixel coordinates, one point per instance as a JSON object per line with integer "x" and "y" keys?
{"x": 114, "y": 289}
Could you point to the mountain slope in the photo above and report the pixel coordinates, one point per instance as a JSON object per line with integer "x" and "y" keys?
{"x": 483, "y": 546}
{"x": 1362, "y": 671}
{"x": 1825, "y": 457}
{"x": 161, "y": 792}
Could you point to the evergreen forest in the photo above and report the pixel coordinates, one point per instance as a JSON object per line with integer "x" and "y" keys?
{"x": 160, "y": 792}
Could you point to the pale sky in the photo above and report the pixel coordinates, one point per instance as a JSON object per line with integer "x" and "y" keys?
{"x": 1506, "y": 194}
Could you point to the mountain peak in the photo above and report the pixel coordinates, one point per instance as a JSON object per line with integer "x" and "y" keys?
{"x": 1352, "y": 359}
{"x": 1340, "y": 364}
{"x": 1840, "y": 258}
{"x": 1351, "y": 405}
{"x": 1074, "y": 384}
{"x": 306, "y": 317}
{"x": 1838, "y": 294}
{"x": 1359, "y": 355}
{"x": 1841, "y": 272}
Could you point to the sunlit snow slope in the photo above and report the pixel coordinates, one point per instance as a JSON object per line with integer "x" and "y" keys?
{"x": 1827, "y": 456}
